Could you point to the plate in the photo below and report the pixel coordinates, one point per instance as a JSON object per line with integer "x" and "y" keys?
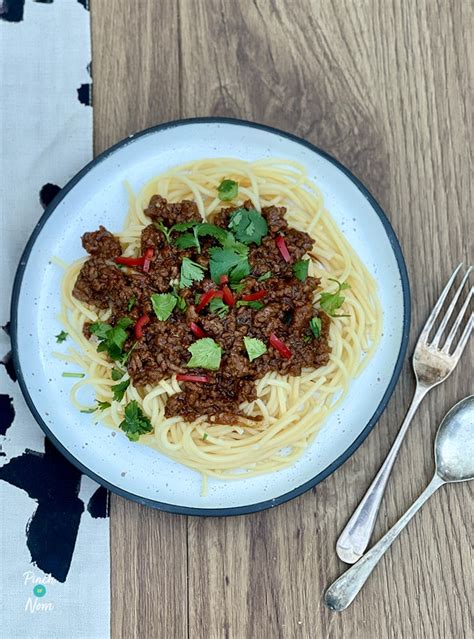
{"x": 96, "y": 196}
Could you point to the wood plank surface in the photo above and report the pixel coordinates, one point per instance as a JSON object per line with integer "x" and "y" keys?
{"x": 386, "y": 87}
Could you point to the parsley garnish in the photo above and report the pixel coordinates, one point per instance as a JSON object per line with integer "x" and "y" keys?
{"x": 232, "y": 262}
{"x": 80, "y": 375}
{"x": 188, "y": 240}
{"x": 117, "y": 374}
{"x": 191, "y": 240}
{"x": 112, "y": 339}
{"x": 126, "y": 356}
{"x": 61, "y": 337}
{"x": 315, "y": 326}
{"x": 131, "y": 303}
{"x": 300, "y": 269}
{"x": 135, "y": 422}
{"x": 119, "y": 389}
{"x": 255, "y": 304}
{"x": 248, "y": 225}
{"x": 238, "y": 288}
{"x": 265, "y": 276}
{"x": 205, "y": 353}
{"x": 102, "y": 405}
{"x": 166, "y": 232}
{"x": 330, "y": 302}
{"x": 190, "y": 272}
{"x": 163, "y": 305}
{"x": 227, "y": 190}
{"x": 254, "y": 347}
{"x": 218, "y": 307}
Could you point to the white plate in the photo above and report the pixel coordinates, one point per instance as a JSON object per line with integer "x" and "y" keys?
{"x": 97, "y": 196}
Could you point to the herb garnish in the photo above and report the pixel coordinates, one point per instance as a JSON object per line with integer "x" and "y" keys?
{"x": 218, "y": 307}
{"x": 315, "y": 326}
{"x": 254, "y": 347}
{"x": 190, "y": 272}
{"x": 252, "y": 304}
{"x": 117, "y": 374}
{"x": 61, "y": 337}
{"x": 163, "y": 305}
{"x": 135, "y": 422}
{"x": 112, "y": 339}
{"x": 265, "y": 276}
{"x": 227, "y": 190}
{"x": 205, "y": 353}
{"x": 79, "y": 375}
{"x": 232, "y": 262}
{"x": 300, "y": 269}
{"x": 248, "y": 225}
{"x": 330, "y": 302}
{"x": 131, "y": 302}
{"x": 119, "y": 389}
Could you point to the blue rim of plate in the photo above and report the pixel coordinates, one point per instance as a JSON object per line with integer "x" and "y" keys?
{"x": 299, "y": 490}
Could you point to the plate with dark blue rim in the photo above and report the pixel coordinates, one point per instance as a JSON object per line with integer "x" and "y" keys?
{"x": 96, "y": 195}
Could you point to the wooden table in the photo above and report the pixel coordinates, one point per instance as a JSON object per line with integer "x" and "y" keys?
{"x": 383, "y": 86}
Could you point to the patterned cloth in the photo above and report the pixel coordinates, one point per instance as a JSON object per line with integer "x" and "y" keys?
{"x": 54, "y": 530}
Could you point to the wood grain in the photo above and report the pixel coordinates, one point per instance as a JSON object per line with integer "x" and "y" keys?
{"x": 386, "y": 87}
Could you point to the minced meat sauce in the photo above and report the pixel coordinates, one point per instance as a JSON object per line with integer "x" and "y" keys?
{"x": 268, "y": 303}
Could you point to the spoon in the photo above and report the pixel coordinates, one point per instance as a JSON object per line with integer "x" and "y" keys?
{"x": 454, "y": 457}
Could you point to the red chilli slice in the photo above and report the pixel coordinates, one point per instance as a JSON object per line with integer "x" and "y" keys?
{"x": 147, "y": 259}
{"x": 280, "y": 346}
{"x": 282, "y": 247}
{"x": 141, "y": 322}
{"x": 207, "y": 297}
{"x": 254, "y": 296}
{"x": 130, "y": 261}
{"x": 196, "y": 330}
{"x": 224, "y": 279}
{"x": 203, "y": 379}
{"x": 228, "y": 296}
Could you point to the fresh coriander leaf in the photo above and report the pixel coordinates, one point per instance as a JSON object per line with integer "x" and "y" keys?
{"x": 342, "y": 286}
{"x": 117, "y": 374}
{"x": 255, "y": 304}
{"x": 166, "y": 232}
{"x": 131, "y": 302}
{"x": 126, "y": 356}
{"x": 218, "y": 307}
{"x": 228, "y": 262}
{"x": 100, "y": 329}
{"x": 87, "y": 411}
{"x": 163, "y": 305}
{"x": 125, "y": 322}
{"x": 205, "y": 353}
{"x": 135, "y": 423}
{"x": 190, "y": 272}
{"x": 227, "y": 190}
{"x": 331, "y": 302}
{"x": 248, "y": 225}
{"x": 265, "y": 276}
{"x": 184, "y": 226}
{"x": 238, "y": 288}
{"x": 307, "y": 339}
{"x": 79, "y": 375}
{"x": 102, "y": 405}
{"x": 181, "y": 304}
{"x": 119, "y": 389}
{"x": 205, "y": 436}
{"x": 188, "y": 240}
{"x": 300, "y": 269}
{"x": 197, "y": 298}
{"x": 61, "y": 337}
{"x": 315, "y": 326}
{"x": 254, "y": 347}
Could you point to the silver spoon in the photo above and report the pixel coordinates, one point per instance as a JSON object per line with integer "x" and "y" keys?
{"x": 454, "y": 456}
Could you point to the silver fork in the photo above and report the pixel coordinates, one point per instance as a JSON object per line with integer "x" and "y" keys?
{"x": 432, "y": 365}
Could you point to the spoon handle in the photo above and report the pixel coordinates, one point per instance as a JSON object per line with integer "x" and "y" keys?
{"x": 355, "y": 537}
{"x": 344, "y": 590}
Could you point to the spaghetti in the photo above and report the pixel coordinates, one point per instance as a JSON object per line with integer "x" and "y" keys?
{"x": 291, "y": 409}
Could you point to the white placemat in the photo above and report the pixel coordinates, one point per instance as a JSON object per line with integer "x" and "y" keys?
{"x": 54, "y": 529}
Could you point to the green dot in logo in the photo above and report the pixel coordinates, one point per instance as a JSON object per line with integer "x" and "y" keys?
{"x": 39, "y": 590}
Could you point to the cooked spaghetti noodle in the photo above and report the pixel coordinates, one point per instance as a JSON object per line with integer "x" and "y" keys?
{"x": 291, "y": 409}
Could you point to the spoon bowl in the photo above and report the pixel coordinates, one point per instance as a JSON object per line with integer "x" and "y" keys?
{"x": 454, "y": 445}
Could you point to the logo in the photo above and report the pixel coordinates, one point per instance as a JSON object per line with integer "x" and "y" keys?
{"x": 38, "y": 589}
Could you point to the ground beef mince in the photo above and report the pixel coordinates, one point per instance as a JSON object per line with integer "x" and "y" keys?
{"x": 101, "y": 243}
{"x": 278, "y": 304}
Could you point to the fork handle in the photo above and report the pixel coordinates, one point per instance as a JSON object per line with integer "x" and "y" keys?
{"x": 355, "y": 537}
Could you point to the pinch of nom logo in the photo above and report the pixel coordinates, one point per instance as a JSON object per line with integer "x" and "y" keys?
{"x": 39, "y": 589}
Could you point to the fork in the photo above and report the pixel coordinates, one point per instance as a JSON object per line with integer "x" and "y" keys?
{"x": 432, "y": 364}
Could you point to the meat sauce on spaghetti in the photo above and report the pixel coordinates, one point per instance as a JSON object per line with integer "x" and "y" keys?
{"x": 219, "y": 303}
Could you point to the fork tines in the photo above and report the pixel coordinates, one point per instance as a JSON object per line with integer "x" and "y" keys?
{"x": 464, "y": 317}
